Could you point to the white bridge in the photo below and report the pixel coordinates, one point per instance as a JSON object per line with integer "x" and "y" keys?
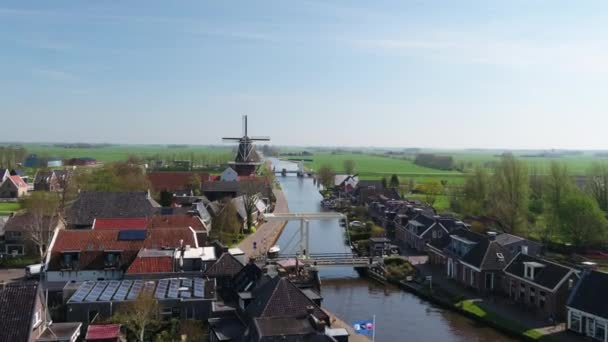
{"x": 303, "y": 254}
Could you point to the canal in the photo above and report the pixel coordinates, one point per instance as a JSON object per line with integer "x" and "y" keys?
{"x": 400, "y": 316}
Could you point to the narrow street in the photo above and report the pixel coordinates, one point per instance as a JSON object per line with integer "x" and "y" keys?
{"x": 268, "y": 233}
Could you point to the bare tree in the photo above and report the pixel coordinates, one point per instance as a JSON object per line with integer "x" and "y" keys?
{"x": 41, "y": 219}
{"x": 225, "y": 222}
{"x": 251, "y": 196}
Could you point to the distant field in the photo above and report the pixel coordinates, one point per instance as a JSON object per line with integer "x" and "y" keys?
{"x": 213, "y": 154}
{"x": 7, "y": 208}
{"x": 375, "y": 167}
{"x": 577, "y": 164}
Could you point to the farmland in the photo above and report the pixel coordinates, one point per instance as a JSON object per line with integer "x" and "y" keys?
{"x": 370, "y": 166}
{"x": 212, "y": 154}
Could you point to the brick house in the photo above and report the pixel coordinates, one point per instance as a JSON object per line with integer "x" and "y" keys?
{"x": 473, "y": 260}
{"x": 81, "y": 255}
{"x": 50, "y": 180}
{"x": 13, "y": 187}
{"x": 588, "y": 308}
{"x": 18, "y": 230}
{"x": 541, "y": 285}
{"x": 25, "y": 317}
{"x": 424, "y": 228}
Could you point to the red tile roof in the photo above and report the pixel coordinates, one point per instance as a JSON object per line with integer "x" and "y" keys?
{"x": 175, "y": 221}
{"x": 103, "y": 332}
{"x": 120, "y": 223}
{"x": 18, "y": 181}
{"x": 142, "y": 265}
{"x": 92, "y": 243}
{"x": 172, "y": 181}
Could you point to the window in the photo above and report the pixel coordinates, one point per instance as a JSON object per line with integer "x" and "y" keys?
{"x": 440, "y": 234}
{"x": 541, "y": 299}
{"x": 434, "y": 234}
{"x": 528, "y": 272}
{"x": 532, "y": 295}
{"x": 575, "y": 321}
{"x": 600, "y": 331}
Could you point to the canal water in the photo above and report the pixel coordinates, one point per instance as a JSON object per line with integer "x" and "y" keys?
{"x": 400, "y": 316}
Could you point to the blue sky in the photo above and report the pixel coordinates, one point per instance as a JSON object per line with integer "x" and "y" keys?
{"x": 444, "y": 74}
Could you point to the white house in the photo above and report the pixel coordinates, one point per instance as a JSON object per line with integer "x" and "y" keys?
{"x": 229, "y": 175}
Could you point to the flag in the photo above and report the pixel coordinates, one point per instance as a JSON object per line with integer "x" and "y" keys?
{"x": 364, "y": 327}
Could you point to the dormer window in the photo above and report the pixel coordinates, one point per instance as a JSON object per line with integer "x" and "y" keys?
{"x": 530, "y": 268}
{"x": 111, "y": 259}
{"x": 69, "y": 260}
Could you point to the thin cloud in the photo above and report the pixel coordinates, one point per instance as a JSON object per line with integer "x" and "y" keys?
{"x": 54, "y": 74}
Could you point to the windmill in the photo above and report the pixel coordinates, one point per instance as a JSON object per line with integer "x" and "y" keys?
{"x": 247, "y": 159}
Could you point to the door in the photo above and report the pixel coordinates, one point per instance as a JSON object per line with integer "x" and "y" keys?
{"x": 489, "y": 281}
{"x": 450, "y": 267}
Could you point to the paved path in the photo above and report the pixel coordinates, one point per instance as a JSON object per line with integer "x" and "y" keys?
{"x": 501, "y": 306}
{"x": 268, "y": 233}
{"x": 338, "y": 323}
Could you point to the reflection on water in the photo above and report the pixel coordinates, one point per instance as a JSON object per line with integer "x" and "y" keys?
{"x": 400, "y": 316}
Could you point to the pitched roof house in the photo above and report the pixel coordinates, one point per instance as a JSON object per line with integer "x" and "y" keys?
{"x": 50, "y": 180}
{"x": 423, "y": 228}
{"x": 4, "y": 174}
{"x": 174, "y": 181}
{"x": 21, "y": 229}
{"x": 13, "y": 187}
{"x": 539, "y": 284}
{"x": 588, "y": 307}
{"x": 25, "y": 318}
{"x": 470, "y": 258}
{"x": 275, "y": 309}
{"x": 121, "y": 204}
{"x": 106, "y": 254}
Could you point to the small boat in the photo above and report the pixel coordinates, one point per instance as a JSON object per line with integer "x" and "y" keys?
{"x": 274, "y": 251}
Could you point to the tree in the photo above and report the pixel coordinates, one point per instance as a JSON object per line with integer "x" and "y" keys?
{"x": 195, "y": 184}
{"x": 349, "y": 166}
{"x": 136, "y": 315}
{"x": 226, "y": 224}
{"x": 326, "y": 176}
{"x": 431, "y": 190}
{"x": 384, "y": 182}
{"x": 510, "y": 194}
{"x": 250, "y": 196}
{"x": 557, "y": 186}
{"x": 476, "y": 192}
{"x": 42, "y": 218}
{"x": 583, "y": 223}
{"x": 597, "y": 184}
{"x": 394, "y": 182}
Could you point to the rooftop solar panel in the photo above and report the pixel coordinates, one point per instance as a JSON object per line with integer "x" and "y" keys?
{"x": 109, "y": 291}
{"x": 199, "y": 288}
{"x": 173, "y": 289}
{"x": 161, "y": 289}
{"x": 132, "y": 235}
{"x": 82, "y": 291}
{"x": 123, "y": 290}
{"x": 186, "y": 282}
{"x": 185, "y": 294}
{"x": 135, "y": 290}
{"x": 97, "y": 290}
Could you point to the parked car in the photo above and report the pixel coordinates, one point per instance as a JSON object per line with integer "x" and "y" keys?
{"x": 33, "y": 271}
{"x": 356, "y": 224}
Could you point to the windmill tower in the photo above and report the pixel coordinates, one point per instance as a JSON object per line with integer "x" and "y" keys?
{"x": 247, "y": 159}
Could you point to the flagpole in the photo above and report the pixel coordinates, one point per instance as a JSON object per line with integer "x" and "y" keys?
{"x": 374, "y": 329}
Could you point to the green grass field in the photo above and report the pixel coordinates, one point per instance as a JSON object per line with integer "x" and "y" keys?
{"x": 374, "y": 166}
{"x": 214, "y": 154}
{"x": 7, "y": 208}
